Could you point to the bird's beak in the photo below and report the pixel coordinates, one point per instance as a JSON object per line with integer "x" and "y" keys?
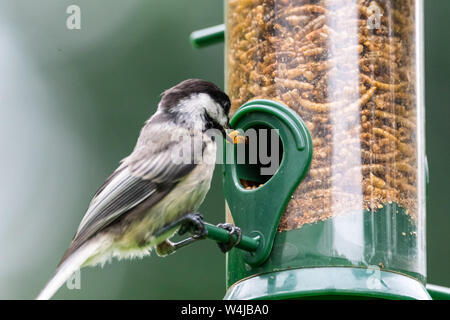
{"x": 225, "y": 134}
{"x": 229, "y": 139}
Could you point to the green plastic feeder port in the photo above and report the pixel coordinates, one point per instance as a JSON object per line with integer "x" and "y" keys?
{"x": 257, "y": 212}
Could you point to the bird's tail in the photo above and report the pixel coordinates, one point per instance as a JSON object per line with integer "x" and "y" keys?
{"x": 71, "y": 264}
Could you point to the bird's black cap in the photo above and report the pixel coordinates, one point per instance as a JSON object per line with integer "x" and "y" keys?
{"x": 184, "y": 89}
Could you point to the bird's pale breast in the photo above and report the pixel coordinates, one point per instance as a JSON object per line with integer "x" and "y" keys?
{"x": 185, "y": 197}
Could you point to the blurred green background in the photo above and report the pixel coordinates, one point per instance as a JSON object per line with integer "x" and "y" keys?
{"x": 72, "y": 103}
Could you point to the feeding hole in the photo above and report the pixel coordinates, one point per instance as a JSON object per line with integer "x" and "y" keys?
{"x": 258, "y": 159}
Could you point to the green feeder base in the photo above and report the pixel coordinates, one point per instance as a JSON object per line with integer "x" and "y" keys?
{"x": 328, "y": 283}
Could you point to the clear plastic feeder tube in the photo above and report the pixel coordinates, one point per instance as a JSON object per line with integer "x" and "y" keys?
{"x": 352, "y": 69}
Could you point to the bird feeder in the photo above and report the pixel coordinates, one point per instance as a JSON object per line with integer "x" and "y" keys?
{"x": 341, "y": 82}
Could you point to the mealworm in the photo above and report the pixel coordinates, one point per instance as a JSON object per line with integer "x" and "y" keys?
{"x": 318, "y": 107}
{"x": 295, "y": 84}
{"x": 380, "y": 157}
{"x": 376, "y": 182}
{"x": 382, "y": 85}
{"x": 390, "y": 116}
{"x": 305, "y": 9}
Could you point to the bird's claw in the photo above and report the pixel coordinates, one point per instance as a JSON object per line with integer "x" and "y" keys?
{"x": 194, "y": 224}
{"x": 165, "y": 248}
{"x": 233, "y": 231}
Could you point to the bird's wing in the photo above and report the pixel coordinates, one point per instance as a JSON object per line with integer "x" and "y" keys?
{"x": 149, "y": 173}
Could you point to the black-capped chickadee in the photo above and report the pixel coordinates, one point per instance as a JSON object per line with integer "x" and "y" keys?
{"x": 165, "y": 178}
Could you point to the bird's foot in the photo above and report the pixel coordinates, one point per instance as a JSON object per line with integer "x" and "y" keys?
{"x": 165, "y": 248}
{"x": 190, "y": 223}
{"x": 235, "y": 235}
{"x": 194, "y": 224}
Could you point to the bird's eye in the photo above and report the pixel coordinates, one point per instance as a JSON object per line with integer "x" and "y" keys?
{"x": 227, "y": 107}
